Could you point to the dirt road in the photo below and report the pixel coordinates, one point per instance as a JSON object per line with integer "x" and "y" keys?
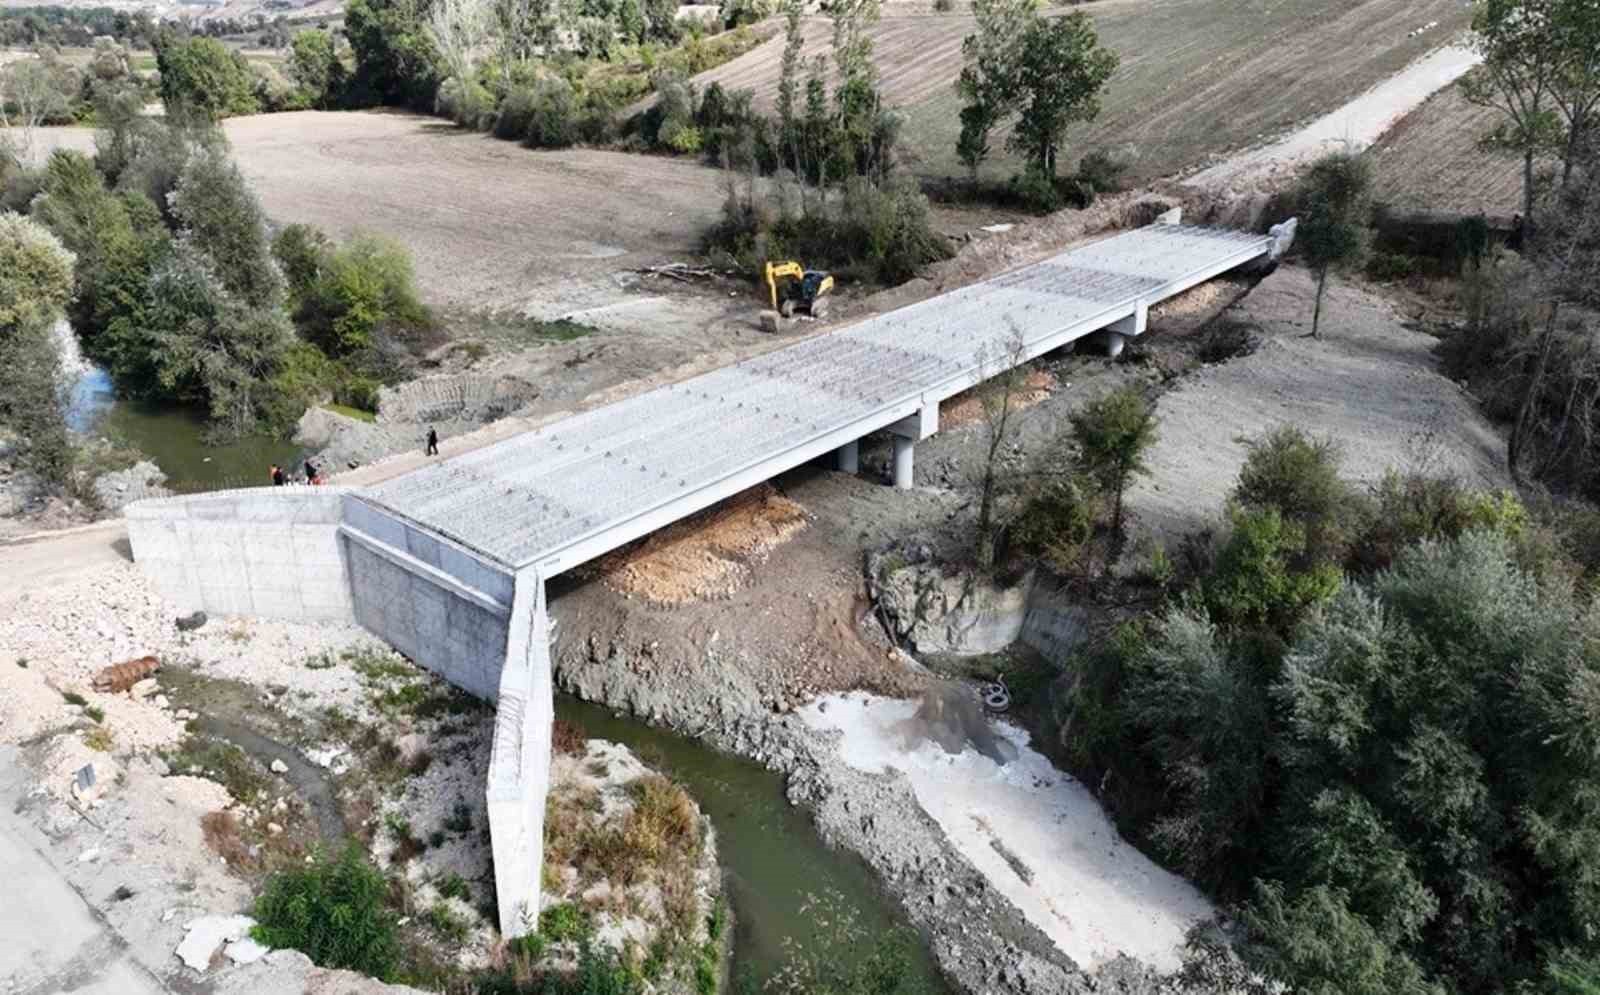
{"x": 41, "y": 562}
{"x": 1356, "y": 125}
{"x": 55, "y": 942}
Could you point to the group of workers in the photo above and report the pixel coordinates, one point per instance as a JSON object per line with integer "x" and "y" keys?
{"x": 314, "y": 476}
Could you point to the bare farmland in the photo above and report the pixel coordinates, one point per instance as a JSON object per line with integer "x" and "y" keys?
{"x": 1199, "y": 78}
{"x": 1432, "y": 159}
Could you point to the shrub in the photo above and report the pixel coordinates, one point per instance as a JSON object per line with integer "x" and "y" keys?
{"x": 1409, "y": 508}
{"x": 359, "y": 392}
{"x": 334, "y": 911}
{"x": 1256, "y": 581}
{"x": 1102, "y": 170}
{"x": 467, "y": 104}
{"x": 1299, "y": 476}
{"x": 516, "y": 112}
{"x": 1035, "y": 190}
{"x": 364, "y": 285}
{"x": 1058, "y": 524}
{"x": 684, "y": 139}
{"x": 1389, "y": 267}
{"x": 552, "y": 115}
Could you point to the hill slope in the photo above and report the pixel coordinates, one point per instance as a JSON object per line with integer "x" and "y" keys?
{"x": 1198, "y": 77}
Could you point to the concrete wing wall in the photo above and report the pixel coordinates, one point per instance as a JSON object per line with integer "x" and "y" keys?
{"x": 268, "y": 551}
{"x": 438, "y": 603}
{"x": 519, "y": 766}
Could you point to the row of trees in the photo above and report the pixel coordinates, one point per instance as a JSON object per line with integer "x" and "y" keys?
{"x": 179, "y": 291}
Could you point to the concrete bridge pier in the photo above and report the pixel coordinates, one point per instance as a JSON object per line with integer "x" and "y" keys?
{"x": 904, "y": 454}
{"x": 1117, "y": 334}
{"x": 848, "y": 457}
{"x": 907, "y": 432}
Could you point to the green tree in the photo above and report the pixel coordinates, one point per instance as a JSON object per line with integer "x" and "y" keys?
{"x": 202, "y": 75}
{"x": 1576, "y": 89}
{"x": 35, "y": 285}
{"x": 1523, "y": 59}
{"x": 1315, "y": 944}
{"x": 364, "y": 286}
{"x": 1060, "y": 72}
{"x": 396, "y": 63}
{"x": 118, "y": 240}
{"x": 1335, "y": 204}
{"x": 222, "y": 219}
{"x": 992, "y": 60}
{"x": 1113, "y": 435}
{"x": 316, "y": 69}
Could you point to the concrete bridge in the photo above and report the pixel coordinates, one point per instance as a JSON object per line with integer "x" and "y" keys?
{"x": 447, "y": 564}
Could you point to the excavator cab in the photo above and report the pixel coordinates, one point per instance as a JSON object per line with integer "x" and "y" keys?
{"x": 794, "y": 288}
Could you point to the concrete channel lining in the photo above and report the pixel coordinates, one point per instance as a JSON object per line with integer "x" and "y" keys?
{"x": 560, "y": 495}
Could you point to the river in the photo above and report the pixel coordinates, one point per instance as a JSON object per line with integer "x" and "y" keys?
{"x": 773, "y": 861}
{"x": 171, "y": 436}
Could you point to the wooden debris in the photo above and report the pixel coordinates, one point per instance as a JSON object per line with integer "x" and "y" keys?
{"x": 119, "y": 677}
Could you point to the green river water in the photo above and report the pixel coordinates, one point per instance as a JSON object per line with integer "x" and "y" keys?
{"x": 773, "y": 861}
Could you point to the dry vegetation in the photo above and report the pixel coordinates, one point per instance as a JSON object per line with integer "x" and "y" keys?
{"x": 1198, "y": 77}
{"x": 1432, "y": 160}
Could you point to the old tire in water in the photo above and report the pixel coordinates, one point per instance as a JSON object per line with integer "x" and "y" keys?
{"x": 995, "y": 696}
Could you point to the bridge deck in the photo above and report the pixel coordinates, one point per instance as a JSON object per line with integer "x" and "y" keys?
{"x": 560, "y": 495}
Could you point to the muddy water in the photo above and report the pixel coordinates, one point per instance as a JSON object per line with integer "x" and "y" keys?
{"x": 773, "y": 861}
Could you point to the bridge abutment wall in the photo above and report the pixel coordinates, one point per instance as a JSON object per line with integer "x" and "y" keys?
{"x": 267, "y": 551}
{"x": 446, "y": 608}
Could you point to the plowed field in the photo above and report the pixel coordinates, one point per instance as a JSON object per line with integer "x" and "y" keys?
{"x": 1431, "y": 160}
{"x": 1199, "y": 78}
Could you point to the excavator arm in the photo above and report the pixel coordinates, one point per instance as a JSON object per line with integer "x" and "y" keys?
{"x": 776, "y": 270}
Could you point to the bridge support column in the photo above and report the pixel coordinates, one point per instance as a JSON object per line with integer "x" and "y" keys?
{"x": 848, "y": 457}
{"x": 907, "y": 432}
{"x": 904, "y": 450}
{"x": 1117, "y": 334}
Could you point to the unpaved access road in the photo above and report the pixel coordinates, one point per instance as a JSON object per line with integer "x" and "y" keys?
{"x": 55, "y": 941}
{"x": 1354, "y": 126}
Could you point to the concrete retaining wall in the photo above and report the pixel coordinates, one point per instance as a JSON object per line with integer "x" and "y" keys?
{"x": 438, "y": 603}
{"x": 519, "y": 764}
{"x": 268, "y": 551}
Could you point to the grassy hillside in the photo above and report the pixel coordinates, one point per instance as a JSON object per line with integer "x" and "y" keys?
{"x": 1199, "y": 77}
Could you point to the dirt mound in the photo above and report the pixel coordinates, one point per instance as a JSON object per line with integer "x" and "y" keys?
{"x": 708, "y": 555}
{"x": 967, "y": 407}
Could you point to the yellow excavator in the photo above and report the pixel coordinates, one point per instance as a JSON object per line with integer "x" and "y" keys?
{"x": 795, "y": 288}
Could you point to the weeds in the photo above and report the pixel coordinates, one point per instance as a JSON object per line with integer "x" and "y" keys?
{"x": 322, "y": 661}
{"x": 444, "y": 921}
{"x": 453, "y": 886}
{"x": 99, "y": 739}
{"x": 567, "y": 738}
{"x": 74, "y": 698}
{"x": 334, "y": 911}
{"x": 95, "y": 712}
{"x": 223, "y": 762}
{"x": 460, "y": 820}
{"x": 221, "y": 833}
